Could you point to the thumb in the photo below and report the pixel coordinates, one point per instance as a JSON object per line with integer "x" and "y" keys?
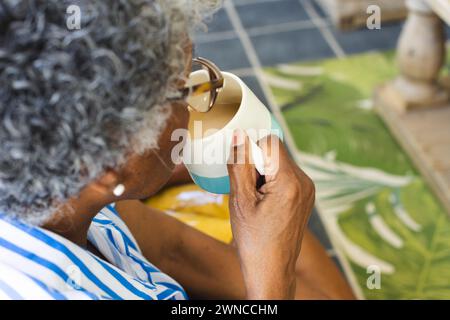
{"x": 241, "y": 170}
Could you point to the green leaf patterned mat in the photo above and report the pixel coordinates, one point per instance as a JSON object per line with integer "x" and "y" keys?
{"x": 378, "y": 211}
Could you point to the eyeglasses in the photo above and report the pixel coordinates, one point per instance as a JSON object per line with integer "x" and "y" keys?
{"x": 202, "y": 91}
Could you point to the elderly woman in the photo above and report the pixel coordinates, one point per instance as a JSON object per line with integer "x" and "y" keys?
{"x": 85, "y": 122}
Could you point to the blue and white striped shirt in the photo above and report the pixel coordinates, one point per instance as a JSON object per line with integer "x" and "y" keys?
{"x": 38, "y": 264}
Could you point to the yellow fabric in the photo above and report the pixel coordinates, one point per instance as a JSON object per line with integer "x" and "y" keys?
{"x": 200, "y": 209}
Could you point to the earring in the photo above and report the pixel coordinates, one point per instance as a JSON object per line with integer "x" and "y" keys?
{"x": 119, "y": 190}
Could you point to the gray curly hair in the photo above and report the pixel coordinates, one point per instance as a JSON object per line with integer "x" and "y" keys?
{"x": 73, "y": 102}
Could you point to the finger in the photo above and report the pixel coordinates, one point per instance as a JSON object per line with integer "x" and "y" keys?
{"x": 241, "y": 171}
{"x": 276, "y": 157}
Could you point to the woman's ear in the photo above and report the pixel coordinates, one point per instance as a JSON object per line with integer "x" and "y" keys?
{"x": 107, "y": 184}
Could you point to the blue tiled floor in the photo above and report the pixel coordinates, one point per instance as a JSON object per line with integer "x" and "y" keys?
{"x": 227, "y": 54}
{"x": 319, "y": 10}
{"x": 257, "y": 15}
{"x": 291, "y": 46}
{"x": 303, "y": 40}
{"x": 366, "y": 40}
{"x": 302, "y": 43}
{"x": 219, "y": 22}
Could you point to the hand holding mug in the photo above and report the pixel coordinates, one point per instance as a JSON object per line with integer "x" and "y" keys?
{"x": 268, "y": 223}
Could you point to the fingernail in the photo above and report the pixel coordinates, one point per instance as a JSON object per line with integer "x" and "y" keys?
{"x": 238, "y": 137}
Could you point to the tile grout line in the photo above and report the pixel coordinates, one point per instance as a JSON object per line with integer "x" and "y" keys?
{"x": 214, "y": 36}
{"x": 262, "y": 30}
{"x": 250, "y": 2}
{"x": 326, "y": 33}
{"x": 256, "y": 65}
{"x": 286, "y": 27}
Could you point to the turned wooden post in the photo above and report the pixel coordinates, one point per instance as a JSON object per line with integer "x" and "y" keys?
{"x": 420, "y": 57}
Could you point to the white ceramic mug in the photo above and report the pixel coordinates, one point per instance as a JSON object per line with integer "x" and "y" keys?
{"x": 210, "y": 173}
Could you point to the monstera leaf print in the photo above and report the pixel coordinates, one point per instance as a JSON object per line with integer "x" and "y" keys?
{"x": 376, "y": 207}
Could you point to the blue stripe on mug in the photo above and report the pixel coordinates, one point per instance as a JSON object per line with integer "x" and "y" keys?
{"x": 276, "y": 128}
{"x": 221, "y": 185}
